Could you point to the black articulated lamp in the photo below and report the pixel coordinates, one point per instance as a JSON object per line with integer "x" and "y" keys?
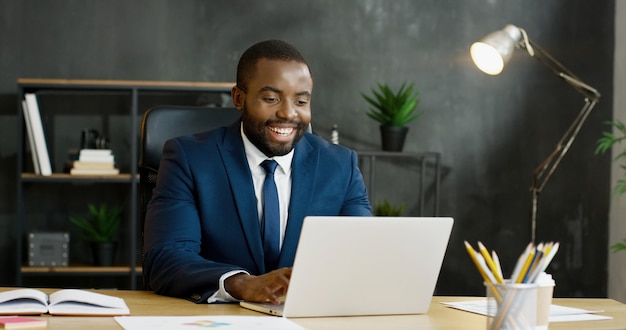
{"x": 491, "y": 53}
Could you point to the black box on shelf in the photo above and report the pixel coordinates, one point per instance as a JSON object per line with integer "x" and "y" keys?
{"x": 48, "y": 249}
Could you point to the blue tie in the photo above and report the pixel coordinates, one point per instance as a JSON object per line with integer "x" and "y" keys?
{"x": 270, "y": 222}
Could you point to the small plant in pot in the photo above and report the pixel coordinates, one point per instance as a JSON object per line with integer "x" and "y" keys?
{"x": 101, "y": 229}
{"x": 385, "y": 208}
{"x": 393, "y": 110}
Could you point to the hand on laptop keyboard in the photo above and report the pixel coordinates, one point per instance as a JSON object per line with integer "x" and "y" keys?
{"x": 268, "y": 287}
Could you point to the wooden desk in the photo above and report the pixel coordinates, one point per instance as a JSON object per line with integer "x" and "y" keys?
{"x": 145, "y": 303}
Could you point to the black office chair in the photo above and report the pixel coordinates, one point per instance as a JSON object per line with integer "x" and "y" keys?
{"x": 161, "y": 123}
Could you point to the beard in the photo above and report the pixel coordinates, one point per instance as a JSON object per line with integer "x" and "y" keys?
{"x": 257, "y": 133}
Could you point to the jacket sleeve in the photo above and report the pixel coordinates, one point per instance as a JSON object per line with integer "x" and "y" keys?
{"x": 173, "y": 264}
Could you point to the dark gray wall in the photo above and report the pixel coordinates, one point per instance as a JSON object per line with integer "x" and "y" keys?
{"x": 491, "y": 131}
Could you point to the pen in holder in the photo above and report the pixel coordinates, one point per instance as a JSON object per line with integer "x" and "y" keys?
{"x": 513, "y": 307}
{"x": 516, "y": 303}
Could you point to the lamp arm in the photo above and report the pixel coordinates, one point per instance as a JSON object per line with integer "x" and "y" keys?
{"x": 546, "y": 168}
{"x": 558, "y": 69}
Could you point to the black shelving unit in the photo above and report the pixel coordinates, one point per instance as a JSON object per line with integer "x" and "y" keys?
{"x": 131, "y": 91}
{"x": 426, "y": 161}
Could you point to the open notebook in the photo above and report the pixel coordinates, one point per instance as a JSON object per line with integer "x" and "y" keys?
{"x": 364, "y": 266}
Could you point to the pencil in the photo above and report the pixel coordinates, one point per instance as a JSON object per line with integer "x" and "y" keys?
{"x": 548, "y": 256}
{"x": 541, "y": 263}
{"x": 527, "y": 262}
{"x": 481, "y": 270}
{"x": 488, "y": 272}
{"x": 472, "y": 254}
{"x": 490, "y": 262}
{"x": 533, "y": 264}
{"x": 496, "y": 261}
{"x": 520, "y": 263}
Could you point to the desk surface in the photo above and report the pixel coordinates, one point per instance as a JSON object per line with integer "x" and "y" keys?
{"x": 145, "y": 303}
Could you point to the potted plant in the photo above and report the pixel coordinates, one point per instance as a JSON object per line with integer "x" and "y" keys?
{"x": 385, "y": 209}
{"x": 605, "y": 143}
{"x": 393, "y": 110}
{"x": 101, "y": 229}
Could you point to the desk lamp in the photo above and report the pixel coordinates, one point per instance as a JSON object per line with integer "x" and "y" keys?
{"x": 491, "y": 53}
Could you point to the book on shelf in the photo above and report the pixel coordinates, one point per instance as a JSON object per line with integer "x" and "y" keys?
{"x": 92, "y": 162}
{"x": 31, "y": 139}
{"x": 21, "y": 322}
{"x": 61, "y": 302}
{"x": 91, "y": 165}
{"x": 94, "y": 171}
{"x": 97, "y": 159}
{"x": 94, "y": 152}
{"x": 39, "y": 139}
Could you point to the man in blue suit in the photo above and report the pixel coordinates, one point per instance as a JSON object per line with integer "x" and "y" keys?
{"x": 203, "y": 230}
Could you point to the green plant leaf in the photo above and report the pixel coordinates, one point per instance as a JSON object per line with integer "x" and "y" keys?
{"x": 102, "y": 225}
{"x": 620, "y": 187}
{"x": 393, "y": 108}
{"x": 604, "y": 144}
{"x": 385, "y": 208}
{"x": 619, "y": 246}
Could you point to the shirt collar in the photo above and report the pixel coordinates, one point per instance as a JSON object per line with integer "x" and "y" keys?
{"x": 256, "y": 157}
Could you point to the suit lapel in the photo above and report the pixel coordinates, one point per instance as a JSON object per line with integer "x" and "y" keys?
{"x": 242, "y": 187}
{"x": 303, "y": 173}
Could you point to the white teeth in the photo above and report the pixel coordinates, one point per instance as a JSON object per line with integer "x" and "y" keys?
{"x": 282, "y": 131}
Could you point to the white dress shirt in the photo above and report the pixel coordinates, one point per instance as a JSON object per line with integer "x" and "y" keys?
{"x": 282, "y": 177}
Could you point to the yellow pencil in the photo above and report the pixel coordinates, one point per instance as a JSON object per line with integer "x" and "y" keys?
{"x": 538, "y": 259}
{"x": 490, "y": 263}
{"x": 538, "y": 266}
{"x": 520, "y": 262}
{"x": 522, "y": 273}
{"x": 496, "y": 260}
{"x": 472, "y": 253}
{"x": 547, "y": 258}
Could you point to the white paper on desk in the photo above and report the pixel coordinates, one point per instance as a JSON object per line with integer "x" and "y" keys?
{"x": 557, "y": 313}
{"x": 225, "y": 322}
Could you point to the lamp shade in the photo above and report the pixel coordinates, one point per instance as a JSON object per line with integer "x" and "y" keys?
{"x": 492, "y": 52}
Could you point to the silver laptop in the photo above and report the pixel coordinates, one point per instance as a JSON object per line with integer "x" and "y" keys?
{"x": 364, "y": 266}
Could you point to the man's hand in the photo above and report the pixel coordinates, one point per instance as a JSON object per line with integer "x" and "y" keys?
{"x": 267, "y": 287}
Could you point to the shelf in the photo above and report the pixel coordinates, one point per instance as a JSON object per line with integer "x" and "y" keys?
{"x": 129, "y": 99}
{"x": 64, "y": 177}
{"x": 73, "y": 270}
{"x": 425, "y": 159}
{"x": 42, "y": 83}
{"x": 399, "y": 154}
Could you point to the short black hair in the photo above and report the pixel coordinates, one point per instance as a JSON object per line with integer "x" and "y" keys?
{"x": 268, "y": 49}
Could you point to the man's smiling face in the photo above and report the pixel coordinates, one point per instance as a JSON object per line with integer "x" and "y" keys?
{"x": 276, "y": 105}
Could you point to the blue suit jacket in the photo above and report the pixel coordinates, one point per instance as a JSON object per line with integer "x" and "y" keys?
{"x": 202, "y": 220}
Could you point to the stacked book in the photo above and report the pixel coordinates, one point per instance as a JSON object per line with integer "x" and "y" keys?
{"x": 94, "y": 162}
